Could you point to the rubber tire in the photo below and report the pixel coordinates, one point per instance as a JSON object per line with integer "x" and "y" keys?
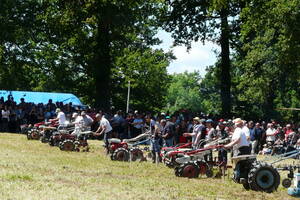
{"x": 36, "y": 135}
{"x": 189, "y": 169}
{"x": 262, "y": 171}
{"x": 136, "y": 154}
{"x": 204, "y": 168}
{"x": 29, "y": 136}
{"x": 176, "y": 171}
{"x": 121, "y": 154}
{"x": 67, "y": 145}
{"x": 51, "y": 141}
{"x": 246, "y": 186}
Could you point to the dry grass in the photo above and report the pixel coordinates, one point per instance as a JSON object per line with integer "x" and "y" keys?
{"x": 32, "y": 170}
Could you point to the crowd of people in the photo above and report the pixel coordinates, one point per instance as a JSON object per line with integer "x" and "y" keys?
{"x": 168, "y": 130}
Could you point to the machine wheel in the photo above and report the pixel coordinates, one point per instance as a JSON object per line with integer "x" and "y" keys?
{"x": 44, "y": 139}
{"x": 29, "y": 136}
{"x": 286, "y": 183}
{"x": 35, "y": 135}
{"x": 121, "y": 154}
{"x": 112, "y": 157}
{"x": 176, "y": 171}
{"x": 189, "y": 170}
{"x": 51, "y": 141}
{"x": 204, "y": 169}
{"x": 67, "y": 145}
{"x": 246, "y": 186}
{"x": 263, "y": 177}
{"x": 136, "y": 154}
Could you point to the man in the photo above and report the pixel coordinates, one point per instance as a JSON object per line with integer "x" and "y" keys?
{"x": 60, "y": 117}
{"x": 211, "y": 132}
{"x": 222, "y": 134}
{"x": 239, "y": 141}
{"x": 104, "y": 129}
{"x": 271, "y": 133}
{"x": 83, "y": 122}
{"x": 199, "y": 131}
{"x": 166, "y": 133}
{"x": 138, "y": 124}
{"x": 256, "y": 138}
{"x": 246, "y": 130}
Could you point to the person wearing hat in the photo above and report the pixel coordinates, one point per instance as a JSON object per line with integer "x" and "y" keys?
{"x": 83, "y": 122}
{"x": 202, "y": 133}
{"x": 197, "y": 130}
{"x": 60, "y": 117}
{"x": 239, "y": 141}
{"x": 211, "y": 132}
{"x": 104, "y": 129}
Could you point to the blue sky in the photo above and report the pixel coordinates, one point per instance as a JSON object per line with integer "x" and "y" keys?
{"x": 198, "y": 58}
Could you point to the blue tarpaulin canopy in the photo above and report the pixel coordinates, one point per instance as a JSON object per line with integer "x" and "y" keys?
{"x": 41, "y": 97}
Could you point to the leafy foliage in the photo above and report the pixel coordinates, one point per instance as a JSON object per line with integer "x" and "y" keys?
{"x": 184, "y": 92}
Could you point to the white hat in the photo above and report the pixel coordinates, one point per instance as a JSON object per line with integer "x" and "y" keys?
{"x": 237, "y": 121}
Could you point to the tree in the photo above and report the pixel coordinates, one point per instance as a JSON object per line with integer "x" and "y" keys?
{"x": 269, "y": 70}
{"x": 193, "y": 20}
{"x": 183, "y": 92}
{"x": 96, "y": 32}
{"x": 146, "y": 69}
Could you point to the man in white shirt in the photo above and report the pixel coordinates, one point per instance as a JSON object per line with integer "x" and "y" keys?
{"x": 271, "y": 133}
{"x": 104, "y": 129}
{"x": 246, "y": 130}
{"x": 82, "y": 122}
{"x": 61, "y": 117}
{"x": 239, "y": 141}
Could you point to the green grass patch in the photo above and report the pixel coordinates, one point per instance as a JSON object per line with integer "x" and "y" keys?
{"x": 32, "y": 170}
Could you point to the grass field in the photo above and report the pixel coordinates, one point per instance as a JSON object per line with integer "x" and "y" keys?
{"x": 32, "y": 170}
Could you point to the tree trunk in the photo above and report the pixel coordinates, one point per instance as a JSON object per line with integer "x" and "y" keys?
{"x": 225, "y": 77}
{"x": 102, "y": 69}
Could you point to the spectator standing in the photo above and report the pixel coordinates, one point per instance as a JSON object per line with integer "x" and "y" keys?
{"x": 5, "y": 118}
{"x": 256, "y": 138}
{"x": 166, "y": 133}
{"x": 211, "y": 132}
{"x": 246, "y": 130}
{"x": 138, "y": 124}
{"x": 271, "y": 134}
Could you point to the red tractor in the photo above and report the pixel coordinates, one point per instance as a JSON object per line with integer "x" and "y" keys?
{"x": 194, "y": 162}
{"x": 128, "y": 150}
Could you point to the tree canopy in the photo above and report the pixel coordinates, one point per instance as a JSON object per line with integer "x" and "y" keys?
{"x": 93, "y": 48}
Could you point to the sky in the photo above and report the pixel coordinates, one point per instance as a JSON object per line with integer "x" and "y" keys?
{"x": 198, "y": 58}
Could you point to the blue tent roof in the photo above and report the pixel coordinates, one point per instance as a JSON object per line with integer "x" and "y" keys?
{"x": 41, "y": 97}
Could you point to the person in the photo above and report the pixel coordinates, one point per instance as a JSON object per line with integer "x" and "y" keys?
{"x": 239, "y": 141}
{"x": 82, "y": 122}
{"x": 196, "y": 131}
{"x": 138, "y": 124}
{"x": 5, "y": 118}
{"x": 104, "y": 129}
{"x": 222, "y": 134}
{"x": 210, "y": 131}
{"x": 171, "y": 130}
{"x": 289, "y": 131}
{"x": 166, "y": 133}
{"x": 156, "y": 144}
{"x": 246, "y": 130}
{"x": 116, "y": 122}
{"x": 256, "y": 138}
{"x": 60, "y": 117}
{"x": 271, "y": 133}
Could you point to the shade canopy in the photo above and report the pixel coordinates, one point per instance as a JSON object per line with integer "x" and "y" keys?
{"x": 41, "y": 97}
